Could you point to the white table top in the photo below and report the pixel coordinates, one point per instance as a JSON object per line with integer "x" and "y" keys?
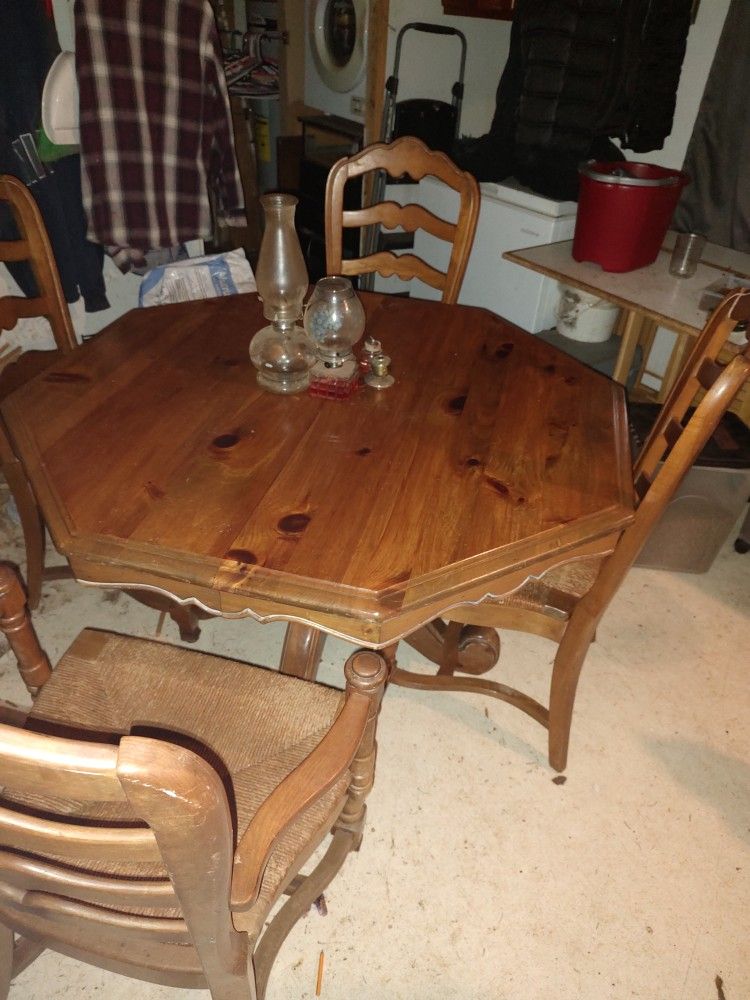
{"x": 653, "y": 291}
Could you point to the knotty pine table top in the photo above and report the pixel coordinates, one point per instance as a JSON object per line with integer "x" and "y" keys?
{"x": 159, "y": 462}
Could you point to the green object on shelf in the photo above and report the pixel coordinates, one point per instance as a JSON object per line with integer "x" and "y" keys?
{"x": 49, "y": 151}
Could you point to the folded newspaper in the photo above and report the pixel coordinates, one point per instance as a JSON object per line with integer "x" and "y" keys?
{"x": 197, "y": 278}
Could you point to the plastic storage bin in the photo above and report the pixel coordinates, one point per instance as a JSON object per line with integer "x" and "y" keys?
{"x": 624, "y": 211}
{"x": 707, "y": 503}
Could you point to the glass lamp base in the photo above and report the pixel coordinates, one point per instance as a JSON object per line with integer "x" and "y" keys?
{"x": 283, "y": 357}
{"x": 283, "y": 384}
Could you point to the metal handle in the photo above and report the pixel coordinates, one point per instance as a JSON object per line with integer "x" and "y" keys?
{"x": 619, "y": 176}
{"x": 432, "y": 29}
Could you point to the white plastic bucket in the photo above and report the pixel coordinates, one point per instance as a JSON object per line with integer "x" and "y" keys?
{"x": 584, "y": 317}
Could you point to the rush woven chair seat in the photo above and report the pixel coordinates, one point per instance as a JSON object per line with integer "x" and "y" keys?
{"x": 405, "y": 156}
{"x": 567, "y": 603}
{"x": 49, "y": 303}
{"x": 158, "y": 802}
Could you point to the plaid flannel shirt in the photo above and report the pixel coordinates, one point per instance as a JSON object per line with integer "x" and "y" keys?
{"x": 155, "y": 123}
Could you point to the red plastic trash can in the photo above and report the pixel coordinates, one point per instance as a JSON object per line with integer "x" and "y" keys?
{"x": 624, "y": 211}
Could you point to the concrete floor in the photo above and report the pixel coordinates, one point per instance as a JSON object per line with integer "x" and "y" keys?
{"x": 479, "y": 876}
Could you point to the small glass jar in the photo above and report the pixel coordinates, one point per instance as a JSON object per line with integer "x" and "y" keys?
{"x": 335, "y": 320}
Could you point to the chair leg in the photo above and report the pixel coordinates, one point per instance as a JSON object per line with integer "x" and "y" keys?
{"x": 6, "y": 960}
{"x": 566, "y": 670}
{"x": 32, "y": 524}
{"x": 25, "y": 952}
{"x": 300, "y": 902}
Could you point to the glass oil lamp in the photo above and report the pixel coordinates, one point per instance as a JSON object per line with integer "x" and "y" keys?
{"x": 335, "y": 320}
{"x": 282, "y": 352}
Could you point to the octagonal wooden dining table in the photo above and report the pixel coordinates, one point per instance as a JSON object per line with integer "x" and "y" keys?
{"x": 159, "y": 463}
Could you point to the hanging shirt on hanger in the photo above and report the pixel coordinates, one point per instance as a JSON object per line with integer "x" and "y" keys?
{"x": 156, "y": 133}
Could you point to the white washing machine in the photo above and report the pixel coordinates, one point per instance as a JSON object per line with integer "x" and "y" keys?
{"x": 336, "y": 56}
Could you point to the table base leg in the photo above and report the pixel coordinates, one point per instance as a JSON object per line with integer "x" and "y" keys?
{"x": 185, "y": 616}
{"x": 461, "y": 651}
{"x": 472, "y": 649}
{"x": 302, "y": 651}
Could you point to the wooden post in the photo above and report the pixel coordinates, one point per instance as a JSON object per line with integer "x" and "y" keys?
{"x": 376, "y": 56}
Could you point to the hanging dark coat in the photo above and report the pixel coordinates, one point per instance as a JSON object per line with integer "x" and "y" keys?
{"x": 578, "y": 73}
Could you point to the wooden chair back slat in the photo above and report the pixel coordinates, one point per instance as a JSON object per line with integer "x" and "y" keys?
{"x": 708, "y": 372}
{"x": 668, "y": 477}
{"x": 408, "y": 217}
{"x": 409, "y": 156}
{"x": 38, "y": 875}
{"x": 642, "y": 485}
{"x": 34, "y": 246}
{"x": 741, "y": 308}
{"x": 52, "y": 766}
{"x": 73, "y": 841}
{"x": 672, "y": 432}
{"x": 174, "y": 965}
{"x": 707, "y": 347}
{"x": 14, "y": 250}
{"x": 94, "y": 922}
{"x": 404, "y": 265}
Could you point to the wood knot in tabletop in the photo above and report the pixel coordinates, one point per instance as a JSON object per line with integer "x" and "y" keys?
{"x": 294, "y": 523}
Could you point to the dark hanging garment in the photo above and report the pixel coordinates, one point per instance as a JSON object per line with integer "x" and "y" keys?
{"x": 717, "y": 202}
{"x": 28, "y": 46}
{"x": 653, "y": 63}
{"x": 580, "y": 72}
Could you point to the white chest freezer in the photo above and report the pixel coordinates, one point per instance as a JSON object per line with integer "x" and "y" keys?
{"x": 511, "y": 217}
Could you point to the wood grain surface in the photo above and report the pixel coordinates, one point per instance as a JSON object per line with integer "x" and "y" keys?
{"x": 157, "y": 460}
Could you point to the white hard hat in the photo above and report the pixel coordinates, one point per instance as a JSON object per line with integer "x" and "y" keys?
{"x": 60, "y": 101}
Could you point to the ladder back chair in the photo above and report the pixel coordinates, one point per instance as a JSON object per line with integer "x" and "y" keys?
{"x": 403, "y": 156}
{"x": 566, "y": 603}
{"x": 49, "y": 303}
{"x": 157, "y": 802}
{"x": 16, "y": 368}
